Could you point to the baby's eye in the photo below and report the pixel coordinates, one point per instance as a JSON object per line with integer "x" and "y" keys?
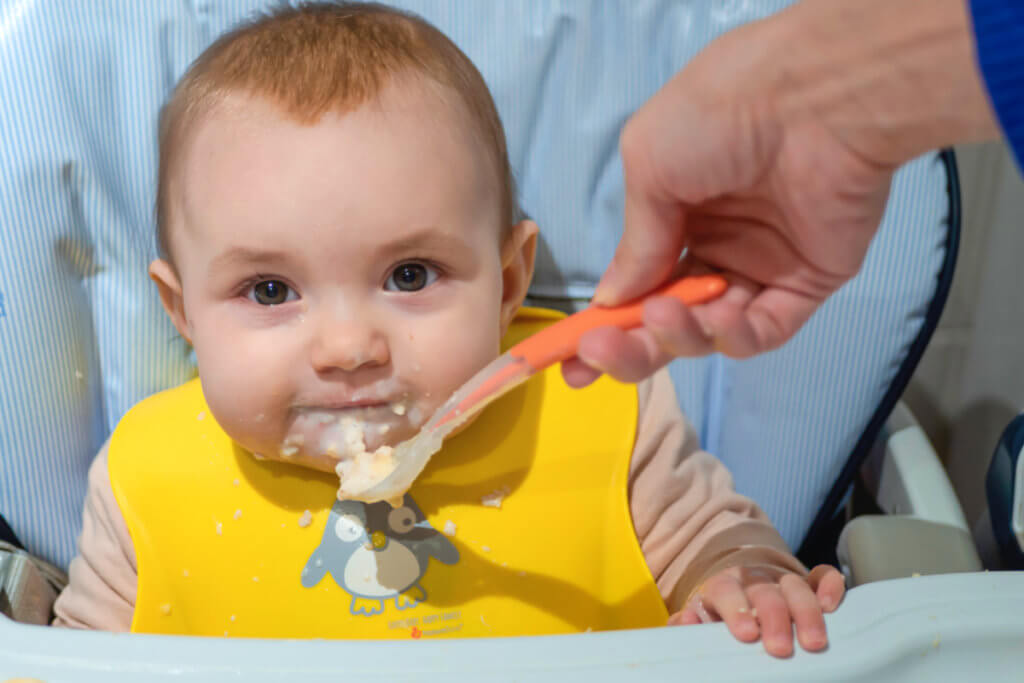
{"x": 410, "y": 277}
{"x": 271, "y": 293}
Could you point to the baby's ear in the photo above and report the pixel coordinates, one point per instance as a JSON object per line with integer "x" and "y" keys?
{"x": 169, "y": 286}
{"x": 517, "y": 256}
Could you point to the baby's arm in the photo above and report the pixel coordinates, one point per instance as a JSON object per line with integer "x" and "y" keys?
{"x": 103, "y": 577}
{"x": 697, "y": 533}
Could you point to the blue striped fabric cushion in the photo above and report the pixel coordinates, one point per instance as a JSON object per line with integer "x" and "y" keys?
{"x": 82, "y": 336}
{"x": 785, "y": 422}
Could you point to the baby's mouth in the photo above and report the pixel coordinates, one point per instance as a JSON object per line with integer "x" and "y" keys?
{"x": 354, "y": 441}
{"x": 340, "y": 433}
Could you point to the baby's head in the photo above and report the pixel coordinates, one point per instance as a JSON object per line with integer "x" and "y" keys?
{"x": 338, "y": 226}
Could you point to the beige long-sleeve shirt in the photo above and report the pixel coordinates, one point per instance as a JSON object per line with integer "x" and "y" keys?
{"x": 688, "y": 519}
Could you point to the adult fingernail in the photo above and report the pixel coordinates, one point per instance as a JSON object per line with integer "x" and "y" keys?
{"x": 705, "y": 328}
{"x": 592, "y": 363}
{"x": 603, "y": 295}
{"x": 604, "y": 288}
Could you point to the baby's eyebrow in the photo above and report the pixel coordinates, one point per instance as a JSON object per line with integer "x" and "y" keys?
{"x": 426, "y": 239}
{"x": 247, "y": 255}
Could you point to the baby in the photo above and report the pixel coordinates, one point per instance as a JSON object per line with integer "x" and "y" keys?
{"x": 341, "y": 246}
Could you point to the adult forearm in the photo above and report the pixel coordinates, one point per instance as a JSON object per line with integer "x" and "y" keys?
{"x": 891, "y": 78}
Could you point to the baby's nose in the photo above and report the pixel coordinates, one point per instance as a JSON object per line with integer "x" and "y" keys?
{"x": 348, "y": 345}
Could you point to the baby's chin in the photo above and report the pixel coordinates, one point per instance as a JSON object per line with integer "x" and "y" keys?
{"x": 321, "y": 463}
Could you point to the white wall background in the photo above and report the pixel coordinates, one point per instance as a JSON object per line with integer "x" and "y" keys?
{"x": 970, "y": 382}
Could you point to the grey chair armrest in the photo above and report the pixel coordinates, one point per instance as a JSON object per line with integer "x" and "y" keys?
{"x": 879, "y": 547}
{"x": 28, "y": 586}
{"x": 907, "y": 477}
{"x": 923, "y": 530}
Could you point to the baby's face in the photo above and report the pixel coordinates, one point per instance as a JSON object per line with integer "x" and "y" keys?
{"x": 349, "y": 269}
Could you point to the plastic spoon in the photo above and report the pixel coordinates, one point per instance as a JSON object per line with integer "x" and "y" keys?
{"x": 553, "y": 344}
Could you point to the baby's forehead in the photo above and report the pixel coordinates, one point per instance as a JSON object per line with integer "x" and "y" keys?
{"x": 235, "y": 141}
{"x": 435, "y": 103}
{"x": 310, "y": 60}
{"x": 429, "y": 104}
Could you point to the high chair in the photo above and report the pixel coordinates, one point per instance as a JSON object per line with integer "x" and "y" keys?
{"x": 83, "y": 338}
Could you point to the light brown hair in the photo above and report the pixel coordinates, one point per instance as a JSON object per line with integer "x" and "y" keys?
{"x": 319, "y": 57}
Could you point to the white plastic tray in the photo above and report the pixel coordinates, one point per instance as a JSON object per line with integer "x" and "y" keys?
{"x": 956, "y": 627}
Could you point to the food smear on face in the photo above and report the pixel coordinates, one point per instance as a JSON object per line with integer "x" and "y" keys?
{"x": 409, "y": 457}
{"x": 342, "y": 438}
{"x": 364, "y": 470}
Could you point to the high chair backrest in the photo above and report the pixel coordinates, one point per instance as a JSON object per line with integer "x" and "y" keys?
{"x": 82, "y": 335}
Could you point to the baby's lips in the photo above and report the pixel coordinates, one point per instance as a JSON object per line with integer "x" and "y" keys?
{"x": 346, "y": 436}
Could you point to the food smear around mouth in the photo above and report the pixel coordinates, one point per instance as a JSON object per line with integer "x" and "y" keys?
{"x": 394, "y": 473}
{"x": 364, "y": 470}
{"x": 341, "y": 438}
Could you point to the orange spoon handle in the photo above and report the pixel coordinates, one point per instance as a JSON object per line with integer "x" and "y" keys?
{"x": 560, "y": 341}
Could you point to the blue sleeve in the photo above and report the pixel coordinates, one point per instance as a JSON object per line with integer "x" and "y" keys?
{"x": 999, "y": 37}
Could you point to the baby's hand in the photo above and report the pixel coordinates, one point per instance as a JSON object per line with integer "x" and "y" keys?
{"x": 753, "y": 602}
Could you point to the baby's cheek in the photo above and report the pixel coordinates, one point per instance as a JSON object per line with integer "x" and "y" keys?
{"x": 441, "y": 363}
{"x": 240, "y": 395}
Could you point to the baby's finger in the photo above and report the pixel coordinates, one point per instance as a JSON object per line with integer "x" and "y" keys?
{"x": 773, "y": 613}
{"x": 828, "y": 584}
{"x": 686, "y": 617}
{"x": 725, "y": 595}
{"x": 805, "y": 612}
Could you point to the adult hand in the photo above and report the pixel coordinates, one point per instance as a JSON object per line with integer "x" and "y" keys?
{"x": 769, "y": 159}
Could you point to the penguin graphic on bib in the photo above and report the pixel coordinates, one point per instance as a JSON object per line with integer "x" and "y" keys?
{"x": 378, "y": 553}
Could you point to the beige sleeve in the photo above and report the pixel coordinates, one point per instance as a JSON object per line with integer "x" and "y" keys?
{"x": 103, "y": 577}
{"x": 688, "y": 519}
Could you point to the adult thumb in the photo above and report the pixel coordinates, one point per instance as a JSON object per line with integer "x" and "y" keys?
{"x": 653, "y": 238}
